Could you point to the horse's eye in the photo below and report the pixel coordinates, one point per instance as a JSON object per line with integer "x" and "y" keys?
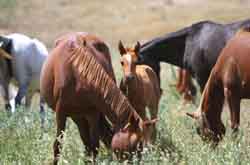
{"x": 122, "y": 63}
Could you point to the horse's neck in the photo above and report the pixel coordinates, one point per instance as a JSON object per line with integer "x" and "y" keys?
{"x": 113, "y": 103}
{"x": 132, "y": 86}
{"x": 133, "y": 91}
{"x": 212, "y": 101}
{"x": 169, "y": 48}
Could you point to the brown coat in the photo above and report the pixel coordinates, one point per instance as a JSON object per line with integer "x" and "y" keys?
{"x": 230, "y": 80}
{"x": 77, "y": 81}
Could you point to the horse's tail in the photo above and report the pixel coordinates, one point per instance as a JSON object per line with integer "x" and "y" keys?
{"x": 106, "y": 131}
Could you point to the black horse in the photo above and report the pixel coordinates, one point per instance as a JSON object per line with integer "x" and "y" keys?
{"x": 195, "y": 48}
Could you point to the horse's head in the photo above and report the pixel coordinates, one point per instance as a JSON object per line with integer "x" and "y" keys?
{"x": 129, "y": 58}
{"x": 208, "y": 131}
{"x": 131, "y": 138}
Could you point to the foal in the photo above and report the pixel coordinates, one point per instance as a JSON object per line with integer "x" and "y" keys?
{"x": 140, "y": 84}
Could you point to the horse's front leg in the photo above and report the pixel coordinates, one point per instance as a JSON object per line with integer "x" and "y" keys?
{"x": 83, "y": 128}
{"x": 21, "y": 93}
{"x": 42, "y": 111}
{"x": 94, "y": 132}
{"x": 6, "y": 96}
{"x": 61, "y": 122}
{"x": 233, "y": 100}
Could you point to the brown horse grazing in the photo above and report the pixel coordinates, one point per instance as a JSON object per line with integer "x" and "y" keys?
{"x": 140, "y": 84}
{"x": 230, "y": 80}
{"x": 185, "y": 85}
{"x": 77, "y": 81}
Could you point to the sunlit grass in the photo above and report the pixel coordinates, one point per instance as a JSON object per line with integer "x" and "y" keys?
{"x": 22, "y": 141}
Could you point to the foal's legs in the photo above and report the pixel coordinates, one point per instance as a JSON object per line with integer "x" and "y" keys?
{"x": 154, "y": 114}
{"x": 233, "y": 100}
{"x": 61, "y": 122}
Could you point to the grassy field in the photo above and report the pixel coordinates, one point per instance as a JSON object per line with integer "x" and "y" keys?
{"x": 23, "y": 142}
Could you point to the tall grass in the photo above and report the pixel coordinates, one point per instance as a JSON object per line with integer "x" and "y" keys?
{"x": 22, "y": 141}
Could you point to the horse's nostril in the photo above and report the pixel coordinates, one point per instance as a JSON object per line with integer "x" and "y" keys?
{"x": 130, "y": 77}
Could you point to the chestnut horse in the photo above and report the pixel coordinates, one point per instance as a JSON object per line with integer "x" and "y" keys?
{"x": 77, "y": 81}
{"x": 229, "y": 80}
{"x": 140, "y": 84}
{"x": 185, "y": 85}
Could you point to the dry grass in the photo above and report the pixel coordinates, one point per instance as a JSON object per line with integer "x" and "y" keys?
{"x": 114, "y": 20}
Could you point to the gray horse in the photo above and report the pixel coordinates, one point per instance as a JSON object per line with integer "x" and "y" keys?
{"x": 24, "y": 63}
{"x": 195, "y": 48}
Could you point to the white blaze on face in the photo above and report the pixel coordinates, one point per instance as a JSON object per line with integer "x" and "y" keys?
{"x": 1, "y": 44}
{"x": 128, "y": 57}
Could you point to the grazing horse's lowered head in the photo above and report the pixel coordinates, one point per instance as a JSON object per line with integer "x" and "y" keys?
{"x": 229, "y": 80}
{"x": 208, "y": 114}
{"x": 208, "y": 131}
{"x": 130, "y": 139}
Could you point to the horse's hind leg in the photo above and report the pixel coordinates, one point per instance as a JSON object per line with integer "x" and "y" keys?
{"x": 61, "y": 122}
{"x": 233, "y": 100}
{"x": 179, "y": 79}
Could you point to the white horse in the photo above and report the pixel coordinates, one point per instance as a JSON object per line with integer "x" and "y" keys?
{"x": 24, "y": 65}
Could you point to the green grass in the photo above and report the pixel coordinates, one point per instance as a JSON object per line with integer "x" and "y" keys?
{"x": 23, "y": 142}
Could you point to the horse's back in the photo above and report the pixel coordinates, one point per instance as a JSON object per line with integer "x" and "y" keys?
{"x": 233, "y": 63}
{"x": 57, "y": 74}
{"x": 149, "y": 81}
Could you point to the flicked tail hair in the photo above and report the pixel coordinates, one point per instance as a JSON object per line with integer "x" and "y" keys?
{"x": 90, "y": 72}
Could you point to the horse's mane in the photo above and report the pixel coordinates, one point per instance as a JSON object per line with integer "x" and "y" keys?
{"x": 174, "y": 35}
{"x": 167, "y": 37}
{"x": 89, "y": 71}
{"x": 212, "y": 99}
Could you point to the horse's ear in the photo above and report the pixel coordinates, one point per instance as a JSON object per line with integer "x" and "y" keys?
{"x": 137, "y": 47}
{"x": 121, "y": 48}
{"x": 148, "y": 123}
{"x": 193, "y": 115}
